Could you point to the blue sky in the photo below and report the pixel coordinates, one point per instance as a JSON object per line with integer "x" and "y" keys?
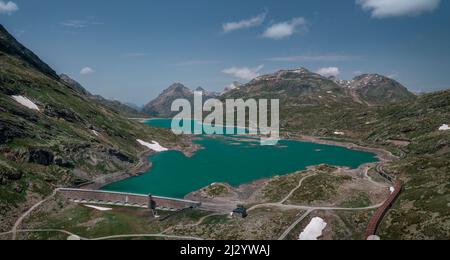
{"x": 132, "y": 50}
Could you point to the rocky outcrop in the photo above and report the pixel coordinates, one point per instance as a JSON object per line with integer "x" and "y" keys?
{"x": 121, "y": 156}
{"x": 11, "y": 130}
{"x": 41, "y": 156}
{"x": 8, "y": 174}
{"x": 60, "y": 161}
{"x": 63, "y": 113}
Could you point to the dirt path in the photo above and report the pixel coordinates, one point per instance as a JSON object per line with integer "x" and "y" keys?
{"x": 103, "y": 238}
{"x": 296, "y": 188}
{"x": 293, "y": 207}
{"x": 289, "y": 230}
{"x": 147, "y": 236}
{"x": 195, "y": 224}
{"x": 21, "y": 218}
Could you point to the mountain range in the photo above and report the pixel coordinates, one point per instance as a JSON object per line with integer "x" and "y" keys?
{"x": 296, "y": 88}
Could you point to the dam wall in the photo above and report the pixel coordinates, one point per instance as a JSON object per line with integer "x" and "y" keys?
{"x": 125, "y": 199}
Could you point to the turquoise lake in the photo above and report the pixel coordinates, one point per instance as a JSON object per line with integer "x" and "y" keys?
{"x": 233, "y": 160}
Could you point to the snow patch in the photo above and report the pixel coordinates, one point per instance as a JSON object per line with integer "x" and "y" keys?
{"x": 26, "y": 102}
{"x": 314, "y": 230}
{"x": 444, "y": 127}
{"x": 392, "y": 189}
{"x": 98, "y": 208}
{"x": 73, "y": 238}
{"x": 95, "y": 133}
{"x": 339, "y": 133}
{"x": 155, "y": 146}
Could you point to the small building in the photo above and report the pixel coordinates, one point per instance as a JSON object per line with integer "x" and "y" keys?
{"x": 240, "y": 212}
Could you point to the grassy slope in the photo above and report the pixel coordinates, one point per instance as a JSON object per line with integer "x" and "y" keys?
{"x": 422, "y": 211}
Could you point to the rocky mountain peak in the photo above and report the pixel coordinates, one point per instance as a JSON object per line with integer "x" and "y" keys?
{"x": 177, "y": 87}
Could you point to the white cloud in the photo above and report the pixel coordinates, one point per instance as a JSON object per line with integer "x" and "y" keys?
{"x": 391, "y": 8}
{"x": 286, "y": 29}
{"x": 315, "y": 58}
{"x": 244, "y": 24}
{"x": 330, "y": 71}
{"x": 86, "y": 71}
{"x": 244, "y": 73}
{"x": 8, "y": 7}
{"x": 79, "y": 24}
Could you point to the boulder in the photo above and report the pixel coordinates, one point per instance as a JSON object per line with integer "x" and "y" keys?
{"x": 9, "y": 174}
{"x": 41, "y": 156}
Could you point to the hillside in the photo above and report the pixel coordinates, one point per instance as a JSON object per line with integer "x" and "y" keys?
{"x": 52, "y": 135}
{"x": 376, "y": 89}
{"x": 422, "y": 211}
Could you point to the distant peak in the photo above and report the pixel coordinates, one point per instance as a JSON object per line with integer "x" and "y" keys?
{"x": 177, "y": 86}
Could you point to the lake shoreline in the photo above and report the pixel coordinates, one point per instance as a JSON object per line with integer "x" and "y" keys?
{"x": 382, "y": 155}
